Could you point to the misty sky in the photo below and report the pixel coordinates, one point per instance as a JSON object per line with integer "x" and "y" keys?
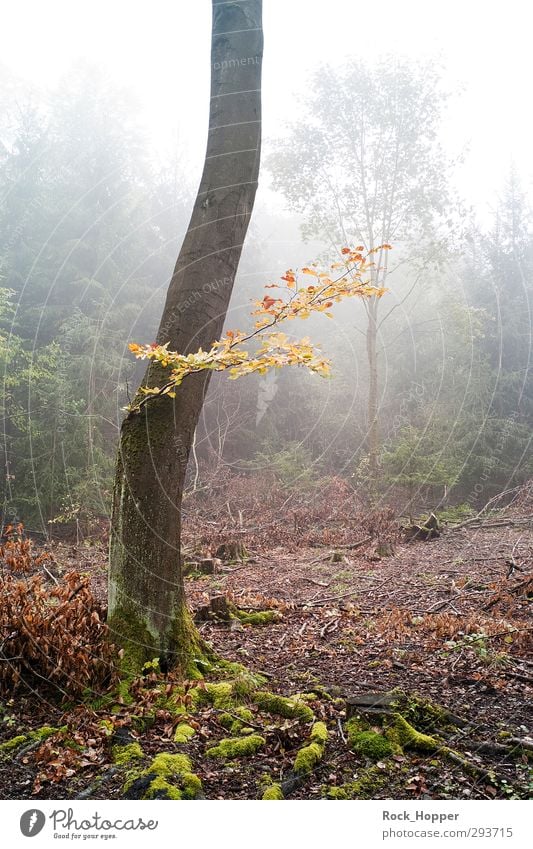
{"x": 161, "y": 50}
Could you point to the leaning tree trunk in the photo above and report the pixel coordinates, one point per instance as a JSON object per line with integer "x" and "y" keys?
{"x": 147, "y": 609}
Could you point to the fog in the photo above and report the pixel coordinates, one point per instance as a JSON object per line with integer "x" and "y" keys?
{"x": 103, "y": 129}
{"x": 162, "y": 55}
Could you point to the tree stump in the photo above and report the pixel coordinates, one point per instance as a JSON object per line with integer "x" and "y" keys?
{"x": 233, "y": 550}
{"x": 218, "y": 608}
{"x": 427, "y": 531}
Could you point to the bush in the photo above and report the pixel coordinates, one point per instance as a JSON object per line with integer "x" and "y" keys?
{"x": 51, "y": 636}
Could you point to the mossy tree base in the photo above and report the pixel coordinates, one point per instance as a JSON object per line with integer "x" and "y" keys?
{"x": 189, "y": 656}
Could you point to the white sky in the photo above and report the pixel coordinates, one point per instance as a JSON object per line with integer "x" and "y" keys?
{"x": 161, "y": 50}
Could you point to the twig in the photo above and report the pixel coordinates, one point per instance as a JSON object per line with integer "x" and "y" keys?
{"x": 478, "y": 516}
{"x": 439, "y": 605}
{"x": 53, "y": 577}
{"x": 320, "y": 601}
{"x": 523, "y": 742}
{"x": 499, "y": 634}
{"x": 352, "y": 546}
{"x": 498, "y": 523}
{"x": 527, "y": 678}
{"x": 331, "y": 626}
{"x": 238, "y": 718}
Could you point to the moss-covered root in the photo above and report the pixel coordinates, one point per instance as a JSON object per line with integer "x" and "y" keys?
{"x": 310, "y": 755}
{"x": 273, "y": 792}
{"x": 167, "y": 777}
{"x": 224, "y": 695}
{"x": 238, "y": 722}
{"x": 124, "y": 755}
{"x": 294, "y": 708}
{"x": 368, "y": 743}
{"x": 35, "y": 736}
{"x": 258, "y": 618}
{"x": 369, "y": 781}
{"x": 237, "y": 747}
{"x": 404, "y": 735}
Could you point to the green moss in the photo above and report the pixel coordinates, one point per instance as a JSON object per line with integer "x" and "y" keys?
{"x": 355, "y": 725}
{"x": 224, "y": 695}
{"x": 260, "y": 617}
{"x": 189, "y": 654}
{"x": 141, "y": 724}
{"x": 309, "y": 756}
{"x": 170, "y": 766}
{"x": 273, "y": 792}
{"x": 368, "y": 743}
{"x": 337, "y": 793}
{"x": 403, "y": 733}
{"x": 425, "y": 713}
{"x": 123, "y": 690}
{"x": 368, "y": 783}
{"x": 160, "y": 786}
{"x": 183, "y": 733}
{"x": 319, "y": 733}
{"x": 172, "y": 703}
{"x": 123, "y": 755}
{"x": 228, "y": 669}
{"x": 44, "y": 732}
{"x": 192, "y": 786}
{"x": 244, "y": 686}
{"x": 226, "y": 720}
{"x": 282, "y": 706}
{"x": 371, "y": 745}
{"x": 34, "y": 736}
{"x": 237, "y": 747}
{"x": 171, "y": 774}
{"x": 13, "y": 743}
{"x": 133, "y": 635}
{"x": 244, "y": 713}
{"x": 236, "y": 721}
{"x": 220, "y": 695}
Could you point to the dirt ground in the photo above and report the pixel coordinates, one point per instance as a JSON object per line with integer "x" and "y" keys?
{"x": 448, "y": 619}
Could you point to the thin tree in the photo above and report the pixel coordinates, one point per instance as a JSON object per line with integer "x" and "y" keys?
{"x": 364, "y": 166}
{"x": 148, "y": 615}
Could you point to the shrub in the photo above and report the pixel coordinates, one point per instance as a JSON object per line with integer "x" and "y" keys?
{"x": 50, "y": 635}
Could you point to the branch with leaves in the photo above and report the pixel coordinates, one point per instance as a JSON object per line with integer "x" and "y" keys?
{"x": 275, "y": 349}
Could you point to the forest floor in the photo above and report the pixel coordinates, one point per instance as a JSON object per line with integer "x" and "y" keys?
{"x": 447, "y": 620}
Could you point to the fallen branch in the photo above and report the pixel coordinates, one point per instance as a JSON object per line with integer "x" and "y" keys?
{"x": 320, "y": 601}
{"x": 330, "y": 626}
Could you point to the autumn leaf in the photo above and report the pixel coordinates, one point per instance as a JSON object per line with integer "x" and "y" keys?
{"x": 276, "y": 350}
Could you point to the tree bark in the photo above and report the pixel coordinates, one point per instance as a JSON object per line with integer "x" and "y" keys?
{"x": 373, "y": 412}
{"x": 148, "y": 615}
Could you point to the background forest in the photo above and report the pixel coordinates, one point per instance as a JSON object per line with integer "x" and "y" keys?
{"x": 90, "y": 227}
